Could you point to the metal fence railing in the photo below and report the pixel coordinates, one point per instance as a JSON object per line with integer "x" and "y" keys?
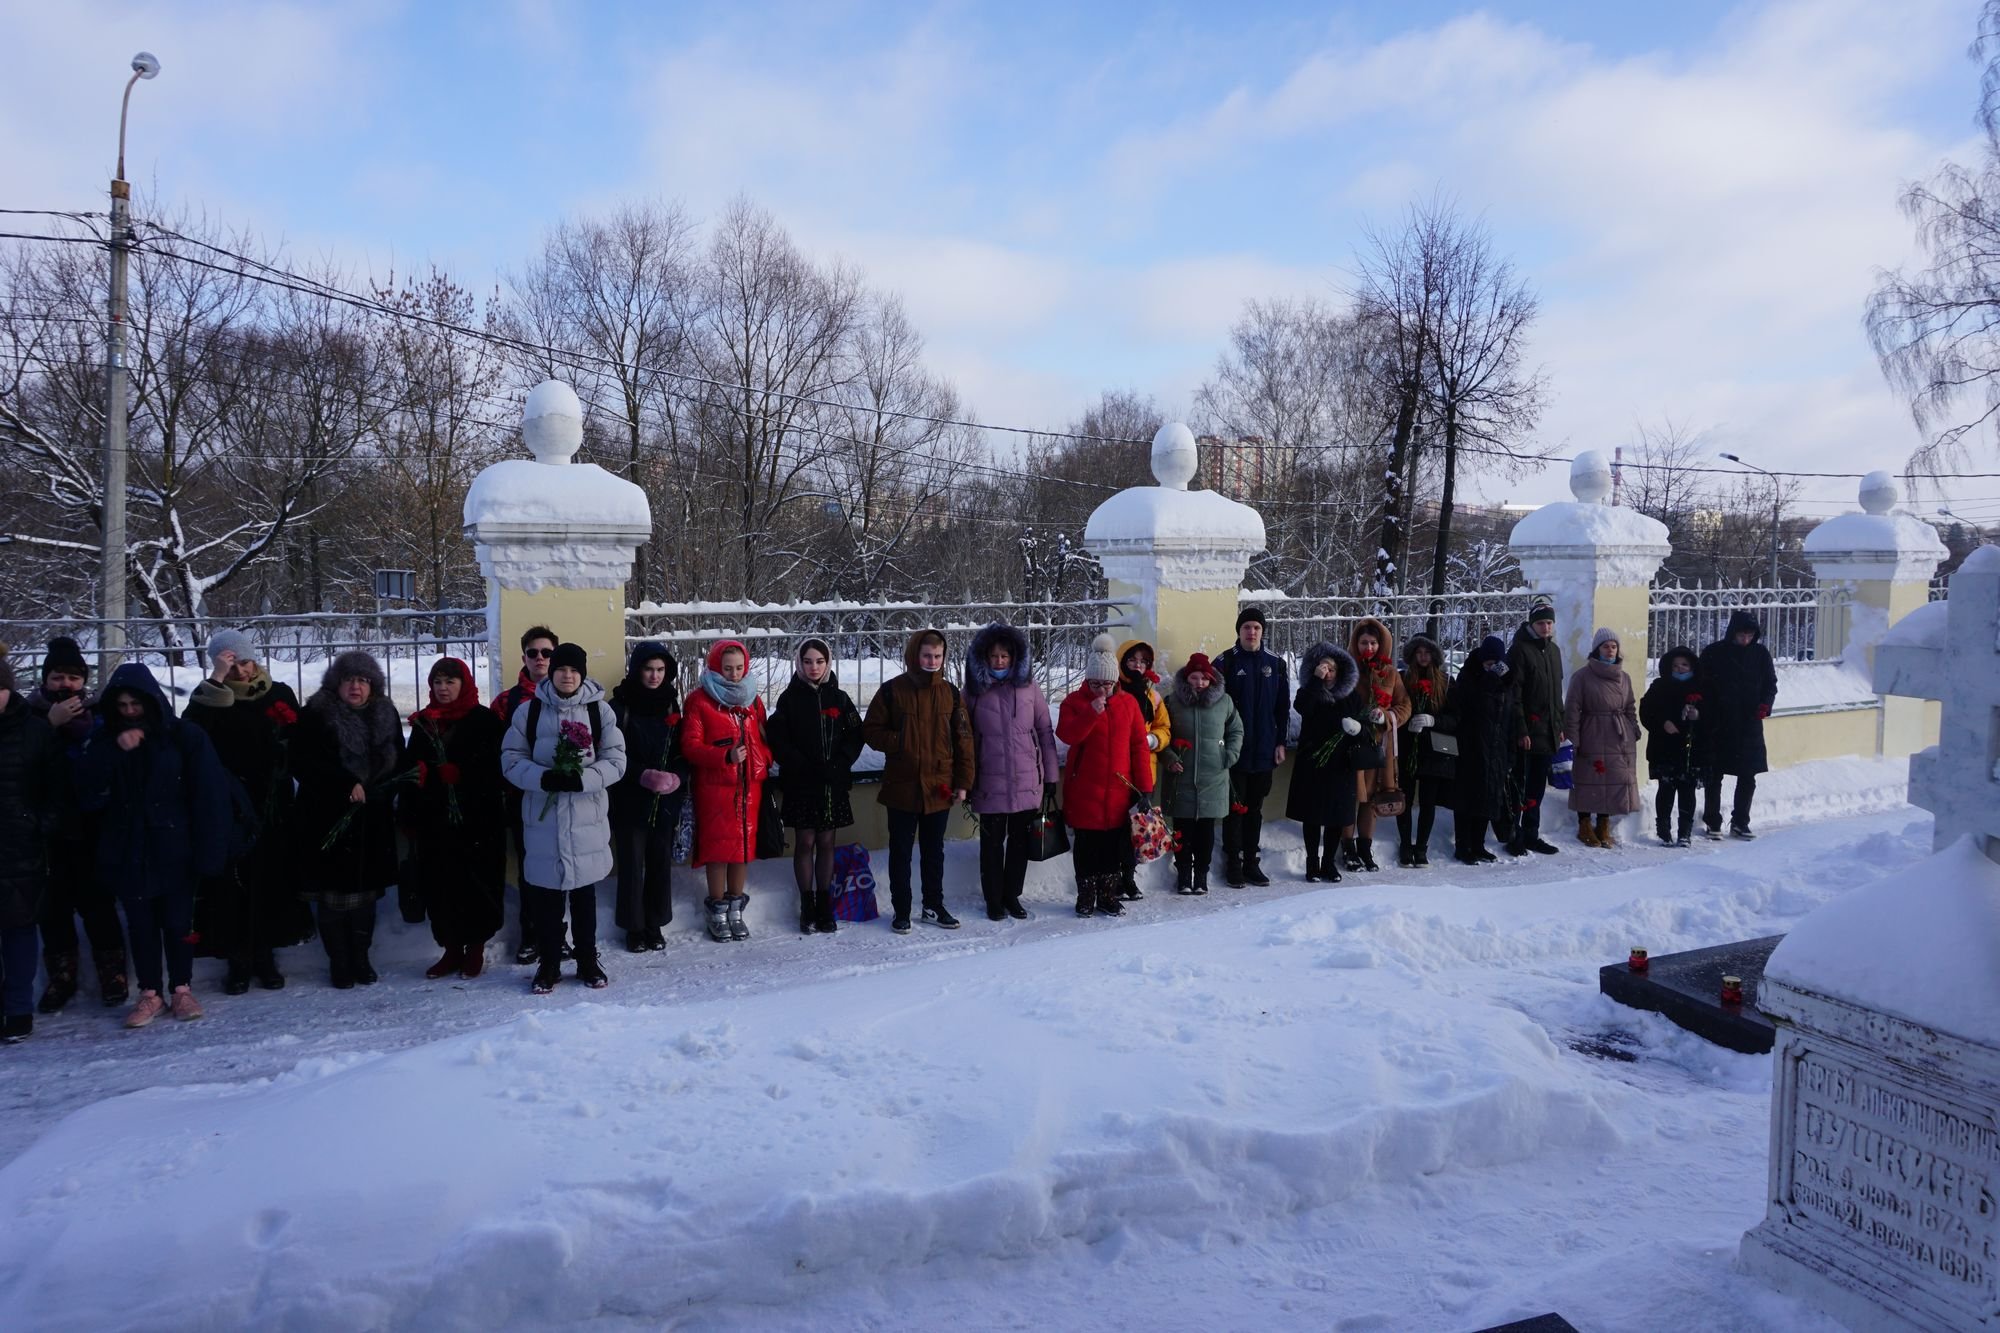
{"x": 1800, "y": 624}
{"x": 868, "y": 641}
{"x": 294, "y": 649}
{"x": 1458, "y": 621}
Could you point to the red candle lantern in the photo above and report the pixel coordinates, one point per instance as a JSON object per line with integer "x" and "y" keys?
{"x": 1637, "y": 962}
{"x": 1732, "y": 990}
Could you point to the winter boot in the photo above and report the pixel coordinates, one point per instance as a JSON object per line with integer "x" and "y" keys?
{"x": 807, "y": 918}
{"x": 1585, "y": 834}
{"x": 15, "y": 1028}
{"x": 1128, "y": 887}
{"x": 1406, "y": 855}
{"x": 62, "y": 982}
{"x": 636, "y": 941}
{"x": 264, "y": 967}
{"x": 823, "y": 919}
{"x": 1350, "y": 854}
{"x": 1253, "y": 872}
{"x": 475, "y": 960}
{"x": 237, "y": 979}
{"x": 1015, "y": 910}
{"x": 1741, "y": 832}
{"x": 1183, "y": 875}
{"x": 1200, "y": 880}
{"x": 337, "y": 938}
{"x": 1086, "y": 899}
{"x": 112, "y": 987}
{"x": 591, "y": 972}
{"x": 1420, "y": 854}
{"x": 452, "y": 961}
{"x": 1366, "y": 847}
{"x": 361, "y": 930}
{"x": 1313, "y": 875}
{"x": 994, "y": 910}
{"x": 718, "y": 919}
{"x": 1108, "y": 894}
{"x": 1661, "y": 832}
{"x": 1232, "y": 870}
{"x": 1605, "y": 838}
{"x": 548, "y": 972}
{"x": 738, "y": 930}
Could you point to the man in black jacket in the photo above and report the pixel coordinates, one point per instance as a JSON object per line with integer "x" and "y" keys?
{"x": 1535, "y": 664}
{"x": 1741, "y": 684}
{"x": 1260, "y": 686}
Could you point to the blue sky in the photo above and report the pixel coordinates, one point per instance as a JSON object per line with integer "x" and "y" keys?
{"x": 1072, "y": 198}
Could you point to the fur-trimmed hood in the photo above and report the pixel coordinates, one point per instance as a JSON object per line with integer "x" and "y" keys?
{"x": 354, "y": 662}
{"x": 1184, "y": 692}
{"x": 1679, "y": 650}
{"x": 979, "y": 677}
{"x": 1346, "y": 671}
{"x": 1386, "y": 652}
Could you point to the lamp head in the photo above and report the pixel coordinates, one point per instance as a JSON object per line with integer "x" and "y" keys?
{"x": 146, "y": 65}
{"x": 1731, "y": 457}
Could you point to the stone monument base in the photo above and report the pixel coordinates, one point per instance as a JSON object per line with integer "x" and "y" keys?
{"x": 1687, "y": 988}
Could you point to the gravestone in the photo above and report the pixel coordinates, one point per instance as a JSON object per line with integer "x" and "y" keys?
{"x": 1884, "y": 1205}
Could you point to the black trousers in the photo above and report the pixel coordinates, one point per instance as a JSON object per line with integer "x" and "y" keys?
{"x": 1470, "y": 833}
{"x": 1711, "y": 804}
{"x": 74, "y": 892}
{"x": 1426, "y": 809}
{"x": 1197, "y": 842}
{"x": 548, "y": 915}
{"x": 1534, "y": 774}
{"x": 161, "y": 925}
{"x": 1243, "y": 834}
{"x": 645, "y": 869}
{"x": 1663, "y": 807}
{"x": 1094, "y": 854}
{"x": 1003, "y": 855}
{"x": 906, "y": 829}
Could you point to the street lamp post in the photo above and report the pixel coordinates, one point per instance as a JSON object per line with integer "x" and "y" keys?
{"x": 111, "y": 575}
{"x": 1777, "y": 511}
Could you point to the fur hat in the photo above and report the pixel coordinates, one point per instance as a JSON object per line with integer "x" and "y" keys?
{"x": 355, "y": 662}
{"x": 1250, "y": 613}
{"x": 232, "y": 641}
{"x": 65, "y": 656}
{"x": 1102, "y": 664}
{"x": 573, "y": 656}
{"x": 1541, "y": 611}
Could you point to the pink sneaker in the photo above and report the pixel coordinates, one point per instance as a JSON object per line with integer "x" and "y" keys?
{"x": 149, "y": 1007}
{"x": 186, "y": 1007}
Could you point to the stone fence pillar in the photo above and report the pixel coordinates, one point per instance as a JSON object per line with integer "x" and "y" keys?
{"x": 1595, "y": 563}
{"x": 1176, "y": 555}
{"x": 555, "y": 540}
{"x": 1884, "y": 561}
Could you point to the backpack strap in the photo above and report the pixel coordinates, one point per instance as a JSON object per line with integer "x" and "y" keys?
{"x": 596, "y": 723}
{"x": 596, "y": 727}
{"x": 534, "y": 717}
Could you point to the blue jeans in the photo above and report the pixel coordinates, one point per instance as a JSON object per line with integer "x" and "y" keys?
{"x": 17, "y": 970}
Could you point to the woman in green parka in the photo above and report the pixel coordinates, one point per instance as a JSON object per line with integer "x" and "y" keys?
{"x": 1207, "y": 740}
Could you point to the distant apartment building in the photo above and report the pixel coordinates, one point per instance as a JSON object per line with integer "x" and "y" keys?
{"x": 1245, "y": 468}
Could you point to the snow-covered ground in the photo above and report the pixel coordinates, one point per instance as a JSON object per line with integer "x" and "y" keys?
{"x": 1394, "y": 1103}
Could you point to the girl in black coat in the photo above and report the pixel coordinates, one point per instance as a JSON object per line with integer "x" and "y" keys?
{"x": 1479, "y": 712}
{"x": 30, "y": 778}
{"x": 457, "y": 819}
{"x": 349, "y": 758}
{"x": 1676, "y": 741}
{"x": 815, "y": 735}
{"x": 646, "y": 802}
{"x": 1330, "y": 715}
{"x": 249, "y": 911}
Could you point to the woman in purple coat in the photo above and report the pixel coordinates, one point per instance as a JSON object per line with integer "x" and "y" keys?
{"x": 1014, "y": 755}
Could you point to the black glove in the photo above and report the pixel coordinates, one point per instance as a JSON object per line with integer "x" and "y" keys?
{"x": 554, "y": 781}
{"x": 1048, "y": 791}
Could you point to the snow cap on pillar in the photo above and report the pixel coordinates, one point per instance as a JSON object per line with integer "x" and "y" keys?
{"x": 1174, "y": 456}
{"x": 1590, "y": 478}
{"x": 1878, "y": 542}
{"x": 552, "y": 422}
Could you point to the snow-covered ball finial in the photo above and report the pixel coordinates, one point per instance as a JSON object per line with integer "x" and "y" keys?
{"x": 1590, "y": 477}
{"x": 1174, "y": 456}
{"x": 1879, "y": 492}
{"x": 552, "y": 422}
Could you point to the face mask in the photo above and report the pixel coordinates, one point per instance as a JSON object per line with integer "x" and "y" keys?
{"x": 1607, "y": 654}
{"x": 1683, "y": 675}
{"x": 1495, "y": 668}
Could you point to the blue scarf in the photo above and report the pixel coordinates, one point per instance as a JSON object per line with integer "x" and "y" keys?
{"x": 737, "y": 694}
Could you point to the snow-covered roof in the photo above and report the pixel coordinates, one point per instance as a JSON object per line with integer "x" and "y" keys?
{"x": 1575, "y": 523}
{"x": 1166, "y": 517}
{"x": 1875, "y": 532}
{"x": 1918, "y": 944}
{"x": 520, "y": 490}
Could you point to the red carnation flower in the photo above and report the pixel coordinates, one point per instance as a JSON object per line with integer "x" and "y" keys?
{"x": 1183, "y": 743}
{"x": 944, "y": 790}
{"x": 1153, "y": 676}
{"x": 1383, "y": 698}
{"x": 192, "y": 937}
{"x": 423, "y": 772}
{"x": 829, "y": 712}
{"x": 673, "y": 719}
{"x": 281, "y": 713}
{"x": 1236, "y": 809}
{"x": 1597, "y": 765}
{"x": 1534, "y": 717}
{"x": 1694, "y": 698}
{"x": 1423, "y": 687}
{"x": 448, "y": 772}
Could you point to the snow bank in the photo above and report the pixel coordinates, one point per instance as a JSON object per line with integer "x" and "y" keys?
{"x": 1918, "y": 944}
{"x": 1190, "y": 1077}
{"x": 1817, "y": 687}
{"x": 1832, "y": 789}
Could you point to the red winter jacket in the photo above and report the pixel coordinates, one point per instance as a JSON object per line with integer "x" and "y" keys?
{"x": 1107, "y": 759}
{"x": 726, "y": 795}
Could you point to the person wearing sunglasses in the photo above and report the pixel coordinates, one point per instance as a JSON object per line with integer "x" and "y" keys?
{"x": 538, "y": 650}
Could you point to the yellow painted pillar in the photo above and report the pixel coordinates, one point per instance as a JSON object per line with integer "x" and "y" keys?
{"x": 1883, "y": 561}
{"x": 1595, "y": 563}
{"x": 555, "y": 539}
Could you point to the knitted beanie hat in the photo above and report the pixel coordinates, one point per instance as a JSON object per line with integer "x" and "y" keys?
{"x": 1102, "y": 664}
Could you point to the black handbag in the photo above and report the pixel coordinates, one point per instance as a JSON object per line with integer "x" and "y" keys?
{"x": 1364, "y": 755}
{"x": 770, "y": 824}
{"x": 1048, "y": 837}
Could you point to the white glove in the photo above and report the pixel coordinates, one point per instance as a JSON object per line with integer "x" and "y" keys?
{"x": 1350, "y": 726}
{"x": 1378, "y": 717}
{"x": 1152, "y": 741}
{"x": 1421, "y": 722}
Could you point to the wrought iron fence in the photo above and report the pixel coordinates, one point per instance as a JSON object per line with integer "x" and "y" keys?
{"x": 1940, "y": 587}
{"x": 868, "y": 640}
{"x": 1807, "y": 623}
{"x": 294, "y": 649}
{"x": 1457, "y": 621}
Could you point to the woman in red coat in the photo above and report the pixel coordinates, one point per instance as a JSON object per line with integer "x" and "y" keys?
{"x": 722, "y": 739}
{"x": 1109, "y": 764}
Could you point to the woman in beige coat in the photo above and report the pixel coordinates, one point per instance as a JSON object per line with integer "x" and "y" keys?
{"x": 1601, "y": 717}
{"x": 1386, "y": 707}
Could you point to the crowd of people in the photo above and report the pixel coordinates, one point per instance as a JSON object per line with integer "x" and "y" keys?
{"x": 253, "y": 821}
